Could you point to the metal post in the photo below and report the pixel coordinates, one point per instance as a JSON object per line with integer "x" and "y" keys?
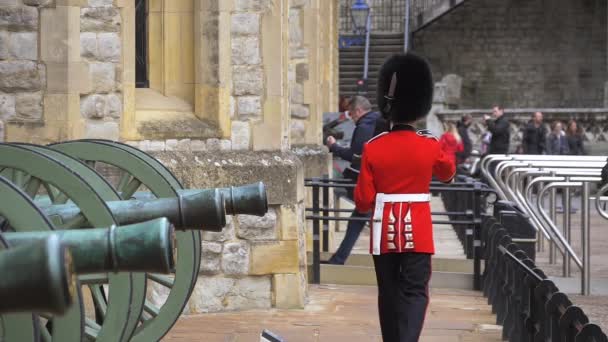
{"x": 585, "y": 240}
{"x": 316, "y": 253}
{"x": 406, "y": 28}
{"x": 477, "y": 237}
{"x": 552, "y": 214}
{"x": 542, "y": 236}
{"x": 368, "y": 28}
{"x": 566, "y": 224}
{"x": 326, "y": 214}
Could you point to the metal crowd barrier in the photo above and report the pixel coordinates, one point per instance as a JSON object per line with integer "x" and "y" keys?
{"x": 527, "y": 304}
{"x": 525, "y": 180}
{"x": 469, "y": 191}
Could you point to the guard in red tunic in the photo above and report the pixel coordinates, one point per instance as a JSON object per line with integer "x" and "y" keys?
{"x": 396, "y": 170}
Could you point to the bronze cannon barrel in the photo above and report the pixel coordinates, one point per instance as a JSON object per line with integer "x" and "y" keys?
{"x": 196, "y": 211}
{"x": 37, "y": 277}
{"x": 142, "y": 247}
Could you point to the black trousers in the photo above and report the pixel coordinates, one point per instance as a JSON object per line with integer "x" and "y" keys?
{"x": 402, "y": 294}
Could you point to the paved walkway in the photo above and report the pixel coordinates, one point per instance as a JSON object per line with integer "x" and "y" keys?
{"x": 343, "y": 314}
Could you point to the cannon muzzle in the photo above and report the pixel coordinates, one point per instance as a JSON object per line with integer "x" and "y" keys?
{"x": 37, "y": 277}
{"x": 247, "y": 199}
{"x": 143, "y": 247}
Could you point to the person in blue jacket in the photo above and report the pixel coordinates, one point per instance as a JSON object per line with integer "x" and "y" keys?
{"x": 360, "y": 111}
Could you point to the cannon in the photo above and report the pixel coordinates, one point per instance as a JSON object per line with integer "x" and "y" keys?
{"x": 141, "y": 247}
{"x": 64, "y": 179}
{"x": 36, "y": 277}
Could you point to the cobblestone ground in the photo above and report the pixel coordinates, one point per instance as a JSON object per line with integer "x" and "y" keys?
{"x": 595, "y": 306}
{"x": 344, "y": 314}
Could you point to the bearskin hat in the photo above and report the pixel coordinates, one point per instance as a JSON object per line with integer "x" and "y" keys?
{"x": 413, "y": 88}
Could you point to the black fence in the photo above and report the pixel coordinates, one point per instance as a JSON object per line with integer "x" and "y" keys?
{"x": 527, "y": 304}
{"x": 462, "y": 219}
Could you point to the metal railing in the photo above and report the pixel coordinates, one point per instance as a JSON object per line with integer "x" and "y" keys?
{"x": 527, "y": 179}
{"x": 527, "y": 304}
{"x": 468, "y": 218}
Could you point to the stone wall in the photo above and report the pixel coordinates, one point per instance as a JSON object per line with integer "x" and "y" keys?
{"x": 22, "y": 74}
{"x": 521, "y": 54}
{"x": 101, "y": 50}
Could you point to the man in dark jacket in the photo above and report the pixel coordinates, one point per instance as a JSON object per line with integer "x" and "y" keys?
{"x": 501, "y": 135}
{"x": 463, "y": 131}
{"x": 535, "y": 135}
{"x": 365, "y": 123}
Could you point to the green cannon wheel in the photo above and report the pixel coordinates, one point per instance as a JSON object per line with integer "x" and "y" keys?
{"x": 139, "y": 170}
{"x": 19, "y": 210}
{"x": 32, "y": 170}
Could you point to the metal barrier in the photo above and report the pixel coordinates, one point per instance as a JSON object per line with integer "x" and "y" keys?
{"x": 527, "y": 304}
{"x": 475, "y": 194}
{"x": 527, "y": 179}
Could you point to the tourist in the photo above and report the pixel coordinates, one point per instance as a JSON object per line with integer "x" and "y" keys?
{"x": 557, "y": 143}
{"x": 360, "y": 111}
{"x": 396, "y": 170}
{"x": 499, "y": 127}
{"x": 574, "y": 137}
{"x": 535, "y": 135}
{"x": 463, "y": 130}
{"x": 451, "y": 142}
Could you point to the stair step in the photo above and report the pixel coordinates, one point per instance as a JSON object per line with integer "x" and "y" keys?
{"x": 359, "y": 61}
{"x": 366, "y": 276}
{"x": 374, "y": 36}
{"x": 373, "y": 49}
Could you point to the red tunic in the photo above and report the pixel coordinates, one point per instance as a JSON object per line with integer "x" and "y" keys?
{"x": 402, "y": 162}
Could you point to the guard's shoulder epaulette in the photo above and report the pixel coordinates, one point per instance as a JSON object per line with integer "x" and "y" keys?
{"x": 377, "y": 136}
{"x": 426, "y": 133}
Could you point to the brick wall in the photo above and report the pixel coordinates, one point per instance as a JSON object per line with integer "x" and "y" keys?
{"x": 522, "y": 53}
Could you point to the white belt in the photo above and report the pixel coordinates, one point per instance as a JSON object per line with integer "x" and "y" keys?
{"x": 381, "y": 199}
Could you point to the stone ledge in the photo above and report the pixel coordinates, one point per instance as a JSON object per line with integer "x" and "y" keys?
{"x": 275, "y": 257}
{"x": 281, "y": 172}
{"x": 316, "y": 159}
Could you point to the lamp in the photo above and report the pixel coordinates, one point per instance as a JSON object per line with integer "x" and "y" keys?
{"x": 360, "y": 13}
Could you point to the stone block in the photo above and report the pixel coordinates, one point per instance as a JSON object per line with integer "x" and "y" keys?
{"x": 4, "y": 44}
{"x": 218, "y": 293}
{"x": 171, "y": 145}
{"x": 39, "y": 3}
{"x": 240, "y": 135}
{"x": 100, "y": 3}
{"x": 280, "y": 171}
{"x": 99, "y": 106}
{"x": 102, "y": 77}
{"x": 296, "y": 36}
{"x": 97, "y": 129}
{"x": 291, "y": 220}
{"x": 299, "y": 3}
{"x": 246, "y": 51}
{"x": 255, "y": 228}
{"x": 302, "y": 72}
{"x": 226, "y": 234}
{"x": 21, "y": 18}
{"x": 211, "y": 258}
{"x": 252, "y": 5}
{"x": 247, "y": 80}
{"x": 249, "y": 106}
{"x": 144, "y": 145}
{"x": 275, "y": 257}
{"x": 288, "y": 293}
{"x": 245, "y": 24}
{"x": 100, "y": 19}
{"x": 235, "y": 258}
{"x": 296, "y": 93}
{"x": 109, "y": 47}
{"x": 29, "y": 106}
{"x": 183, "y": 145}
{"x": 316, "y": 160}
{"x": 7, "y": 106}
{"x": 225, "y": 145}
{"x": 2, "y": 132}
{"x": 298, "y": 130}
{"x": 24, "y": 45}
{"x": 88, "y": 44}
{"x": 156, "y": 145}
{"x": 299, "y": 111}
{"x": 21, "y": 76}
{"x": 198, "y": 145}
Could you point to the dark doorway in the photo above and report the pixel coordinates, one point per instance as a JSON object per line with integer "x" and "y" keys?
{"x": 141, "y": 44}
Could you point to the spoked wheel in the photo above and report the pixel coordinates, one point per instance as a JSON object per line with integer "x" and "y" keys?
{"x": 137, "y": 170}
{"x": 35, "y": 170}
{"x": 23, "y": 215}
